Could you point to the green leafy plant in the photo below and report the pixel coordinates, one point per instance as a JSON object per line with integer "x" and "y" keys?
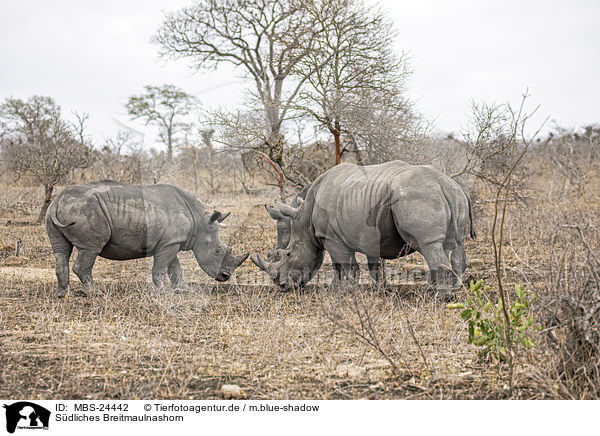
{"x": 486, "y": 321}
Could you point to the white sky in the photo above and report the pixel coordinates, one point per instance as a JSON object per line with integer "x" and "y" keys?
{"x": 90, "y": 56}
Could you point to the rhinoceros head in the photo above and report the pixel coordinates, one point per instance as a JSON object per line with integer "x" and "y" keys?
{"x": 215, "y": 258}
{"x": 293, "y": 266}
{"x": 284, "y": 232}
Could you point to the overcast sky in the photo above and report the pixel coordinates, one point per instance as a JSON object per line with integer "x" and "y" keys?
{"x": 90, "y": 56}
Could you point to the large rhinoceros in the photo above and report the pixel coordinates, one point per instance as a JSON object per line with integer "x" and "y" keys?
{"x": 384, "y": 211}
{"x": 120, "y": 222}
{"x": 284, "y": 234}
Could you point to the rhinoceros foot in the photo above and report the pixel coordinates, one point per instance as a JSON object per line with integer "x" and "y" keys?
{"x": 85, "y": 291}
{"x": 60, "y": 292}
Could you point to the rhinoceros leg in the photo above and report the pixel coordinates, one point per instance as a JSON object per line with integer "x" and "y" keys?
{"x": 62, "y": 250}
{"x": 62, "y": 272}
{"x": 425, "y": 228}
{"x": 440, "y": 274}
{"x": 83, "y": 268}
{"x": 345, "y": 267}
{"x": 176, "y": 275}
{"x": 346, "y": 273}
{"x": 458, "y": 258}
{"x": 163, "y": 259}
{"x": 377, "y": 270}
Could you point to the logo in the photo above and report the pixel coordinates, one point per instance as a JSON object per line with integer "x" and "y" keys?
{"x": 26, "y": 415}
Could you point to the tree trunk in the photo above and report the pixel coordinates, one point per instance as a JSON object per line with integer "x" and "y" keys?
{"x": 338, "y": 147}
{"x": 169, "y": 150}
{"x": 281, "y": 187}
{"x": 275, "y": 147}
{"x": 48, "y": 189}
{"x": 207, "y": 139}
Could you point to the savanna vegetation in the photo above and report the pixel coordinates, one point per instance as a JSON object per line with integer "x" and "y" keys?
{"x": 525, "y": 324}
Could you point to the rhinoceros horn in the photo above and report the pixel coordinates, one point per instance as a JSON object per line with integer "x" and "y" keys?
{"x": 289, "y": 211}
{"x": 238, "y": 260}
{"x": 274, "y": 213}
{"x": 261, "y": 263}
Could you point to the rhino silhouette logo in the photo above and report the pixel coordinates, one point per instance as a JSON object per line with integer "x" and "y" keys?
{"x": 28, "y": 415}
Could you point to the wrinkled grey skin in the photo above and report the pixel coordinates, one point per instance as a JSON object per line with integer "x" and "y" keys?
{"x": 284, "y": 233}
{"x": 120, "y": 222}
{"x": 384, "y": 211}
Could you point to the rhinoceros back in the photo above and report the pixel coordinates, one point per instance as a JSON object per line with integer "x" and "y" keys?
{"x": 381, "y": 210}
{"x": 352, "y": 205}
{"x": 122, "y": 221}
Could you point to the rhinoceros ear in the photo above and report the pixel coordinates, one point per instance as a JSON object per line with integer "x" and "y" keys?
{"x": 274, "y": 213}
{"x": 288, "y": 211}
{"x": 218, "y": 216}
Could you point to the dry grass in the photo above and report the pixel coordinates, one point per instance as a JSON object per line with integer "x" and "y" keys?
{"x": 127, "y": 341}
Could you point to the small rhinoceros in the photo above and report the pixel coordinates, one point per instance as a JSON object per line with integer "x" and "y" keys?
{"x": 384, "y": 211}
{"x": 120, "y": 222}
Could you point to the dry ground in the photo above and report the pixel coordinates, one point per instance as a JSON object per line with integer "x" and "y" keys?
{"x": 126, "y": 341}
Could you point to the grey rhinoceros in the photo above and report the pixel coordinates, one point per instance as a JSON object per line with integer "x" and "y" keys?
{"x": 384, "y": 211}
{"x": 284, "y": 233}
{"x": 120, "y": 222}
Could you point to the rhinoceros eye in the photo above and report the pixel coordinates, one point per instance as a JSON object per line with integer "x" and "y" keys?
{"x": 218, "y": 251}
{"x": 288, "y": 253}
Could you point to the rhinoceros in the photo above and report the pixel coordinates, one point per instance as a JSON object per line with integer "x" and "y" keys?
{"x": 284, "y": 233}
{"x": 120, "y": 222}
{"x": 384, "y": 211}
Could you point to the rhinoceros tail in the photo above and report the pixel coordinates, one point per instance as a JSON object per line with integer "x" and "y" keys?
{"x": 52, "y": 215}
{"x": 472, "y": 229}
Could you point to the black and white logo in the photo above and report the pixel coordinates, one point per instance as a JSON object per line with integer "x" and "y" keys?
{"x": 26, "y": 415}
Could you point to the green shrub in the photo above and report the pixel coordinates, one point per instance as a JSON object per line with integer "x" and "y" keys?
{"x": 486, "y": 322}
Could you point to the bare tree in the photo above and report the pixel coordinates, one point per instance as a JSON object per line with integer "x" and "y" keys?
{"x": 576, "y": 155}
{"x": 514, "y": 147}
{"x": 80, "y": 126}
{"x": 384, "y": 126}
{"x": 572, "y": 306}
{"x": 264, "y": 38}
{"x": 119, "y": 160}
{"x": 203, "y": 160}
{"x": 148, "y": 166}
{"x": 352, "y": 72}
{"x": 240, "y": 132}
{"x": 163, "y": 106}
{"x": 39, "y": 143}
{"x": 488, "y": 146}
